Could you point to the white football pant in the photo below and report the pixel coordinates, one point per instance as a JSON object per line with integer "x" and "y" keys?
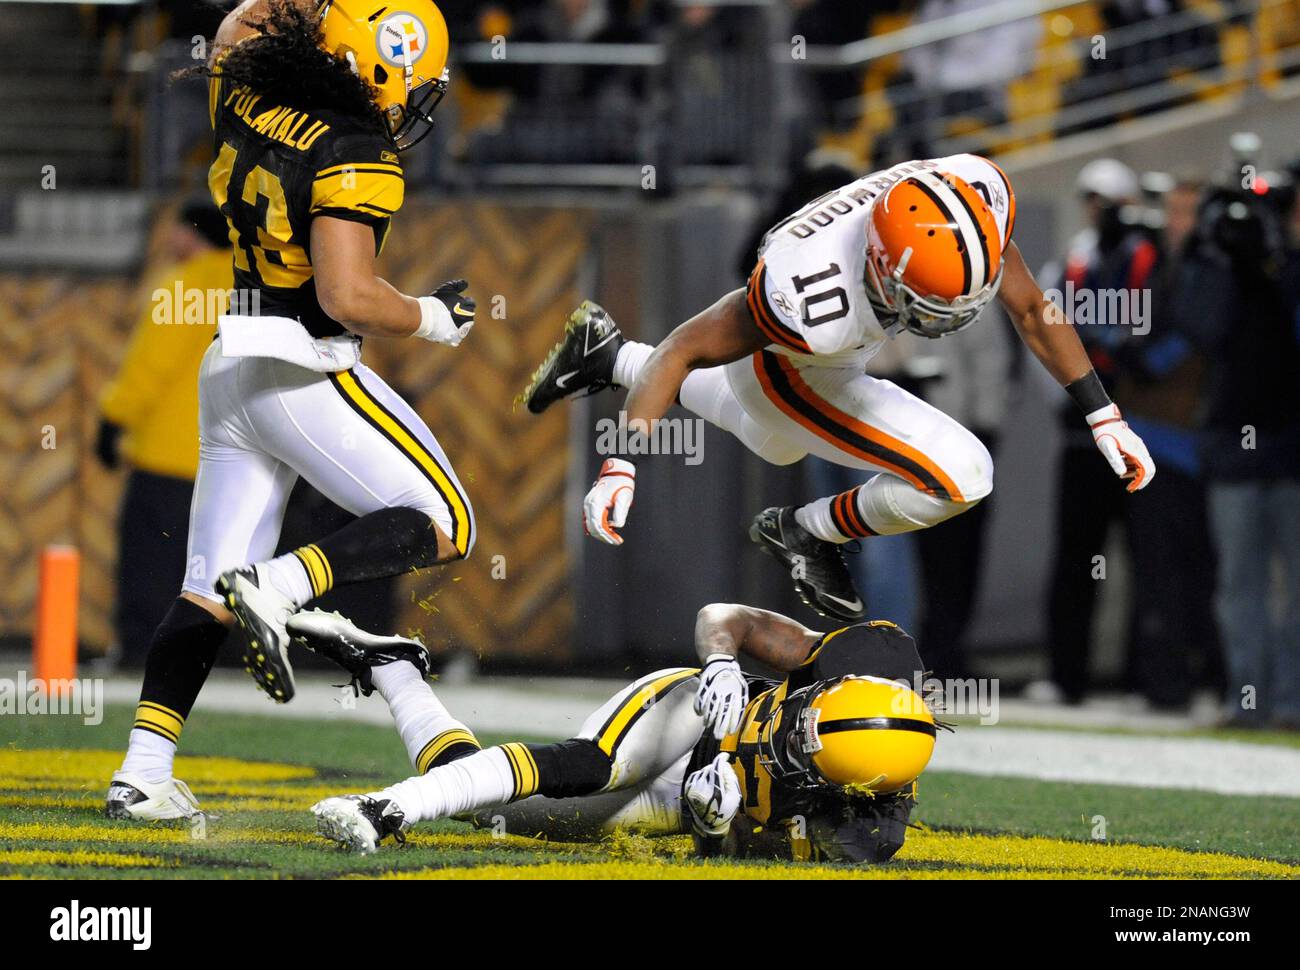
{"x": 263, "y": 422}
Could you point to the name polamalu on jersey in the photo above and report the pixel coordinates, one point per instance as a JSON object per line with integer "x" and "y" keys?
{"x": 808, "y": 293}
{"x": 783, "y": 821}
{"x": 276, "y": 169}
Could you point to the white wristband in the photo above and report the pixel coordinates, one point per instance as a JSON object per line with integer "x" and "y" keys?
{"x": 435, "y": 320}
{"x": 1109, "y": 413}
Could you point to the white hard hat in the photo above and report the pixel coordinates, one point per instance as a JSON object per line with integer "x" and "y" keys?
{"x": 1109, "y": 178}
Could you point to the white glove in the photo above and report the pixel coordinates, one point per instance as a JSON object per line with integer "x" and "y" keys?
{"x": 605, "y": 507}
{"x": 722, "y": 696}
{"x": 447, "y": 316}
{"x": 1127, "y": 455}
{"x": 713, "y": 796}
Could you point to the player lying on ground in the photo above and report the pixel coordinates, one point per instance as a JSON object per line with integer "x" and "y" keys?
{"x": 923, "y": 246}
{"x": 820, "y": 765}
{"x": 307, "y": 175}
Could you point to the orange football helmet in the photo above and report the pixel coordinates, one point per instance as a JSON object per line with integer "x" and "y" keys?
{"x": 934, "y": 254}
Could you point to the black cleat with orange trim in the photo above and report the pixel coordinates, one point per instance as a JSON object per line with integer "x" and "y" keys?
{"x": 821, "y": 577}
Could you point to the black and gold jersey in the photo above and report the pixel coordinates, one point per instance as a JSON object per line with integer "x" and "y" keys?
{"x": 779, "y": 813}
{"x": 276, "y": 169}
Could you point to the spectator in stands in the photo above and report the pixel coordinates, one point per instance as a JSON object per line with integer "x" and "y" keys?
{"x": 561, "y": 112}
{"x": 835, "y": 93}
{"x": 149, "y": 417}
{"x": 1145, "y": 42}
{"x": 965, "y": 76}
{"x": 1107, "y": 257}
{"x": 1161, "y": 383}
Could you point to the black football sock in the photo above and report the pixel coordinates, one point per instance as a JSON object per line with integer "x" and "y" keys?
{"x": 567, "y": 769}
{"x": 383, "y": 543}
{"x": 183, "y": 650}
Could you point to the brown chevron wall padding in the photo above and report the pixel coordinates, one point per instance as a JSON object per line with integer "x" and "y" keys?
{"x": 62, "y": 334}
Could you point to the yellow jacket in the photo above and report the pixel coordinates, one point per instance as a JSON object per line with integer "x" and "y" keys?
{"x": 155, "y": 395}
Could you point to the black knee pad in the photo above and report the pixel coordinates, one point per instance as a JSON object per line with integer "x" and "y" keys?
{"x": 570, "y": 768}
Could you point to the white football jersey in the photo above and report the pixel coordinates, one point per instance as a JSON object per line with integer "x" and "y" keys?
{"x": 808, "y": 293}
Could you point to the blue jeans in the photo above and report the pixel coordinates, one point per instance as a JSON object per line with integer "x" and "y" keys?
{"x": 1256, "y": 524}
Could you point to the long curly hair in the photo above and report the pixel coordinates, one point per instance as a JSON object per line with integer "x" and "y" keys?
{"x": 286, "y": 64}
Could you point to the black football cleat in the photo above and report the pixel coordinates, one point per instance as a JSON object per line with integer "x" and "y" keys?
{"x": 582, "y": 361}
{"x": 821, "y": 577}
{"x": 261, "y": 611}
{"x": 334, "y": 636}
{"x": 359, "y": 822}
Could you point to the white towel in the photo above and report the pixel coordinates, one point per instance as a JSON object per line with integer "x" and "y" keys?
{"x": 286, "y": 339}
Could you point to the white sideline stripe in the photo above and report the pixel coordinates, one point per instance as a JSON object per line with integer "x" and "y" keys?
{"x": 544, "y": 708}
{"x": 1193, "y": 764}
{"x": 536, "y": 711}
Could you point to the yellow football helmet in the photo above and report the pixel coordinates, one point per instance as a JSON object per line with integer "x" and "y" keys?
{"x": 865, "y": 733}
{"x": 401, "y": 49}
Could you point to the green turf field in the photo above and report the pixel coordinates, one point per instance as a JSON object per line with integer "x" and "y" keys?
{"x": 257, "y": 776}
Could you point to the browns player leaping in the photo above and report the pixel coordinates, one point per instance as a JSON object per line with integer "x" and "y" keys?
{"x": 922, "y": 246}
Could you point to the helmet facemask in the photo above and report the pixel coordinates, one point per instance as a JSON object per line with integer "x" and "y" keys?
{"x": 894, "y": 302}
{"x": 410, "y": 125}
{"x": 787, "y": 740}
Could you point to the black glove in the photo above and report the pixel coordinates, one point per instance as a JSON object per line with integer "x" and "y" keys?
{"x": 460, "y": 306}
{"x": 107, "y": 443}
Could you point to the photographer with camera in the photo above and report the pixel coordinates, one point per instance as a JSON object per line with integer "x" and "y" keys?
{"x": 1247, "y": 241}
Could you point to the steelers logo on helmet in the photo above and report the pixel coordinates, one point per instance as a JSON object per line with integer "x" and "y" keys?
{"x": 402, "y": 39}
{"x": 861, "y": 733}
{"x": 400, "y": 51}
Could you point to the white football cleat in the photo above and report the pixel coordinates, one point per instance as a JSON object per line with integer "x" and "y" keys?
{"x": 262, "y": 611}
{"x": 131, "y": 797}
{"x": 359, "y": 822}
{"x": 334, "y": 636}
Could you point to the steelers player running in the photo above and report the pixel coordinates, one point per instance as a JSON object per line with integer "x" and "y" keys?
{"x": 923, "y": 246}
{"x": 820, "y": 765}
{"x": 309, "y": 107}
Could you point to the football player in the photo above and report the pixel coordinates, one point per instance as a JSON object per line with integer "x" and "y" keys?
{"x": 820, "y": 764}
{"x": 923, "y": 246}
{"x": 309, "y": 106}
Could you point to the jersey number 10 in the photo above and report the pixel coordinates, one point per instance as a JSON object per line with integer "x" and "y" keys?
{"x": 833, "y": 295}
